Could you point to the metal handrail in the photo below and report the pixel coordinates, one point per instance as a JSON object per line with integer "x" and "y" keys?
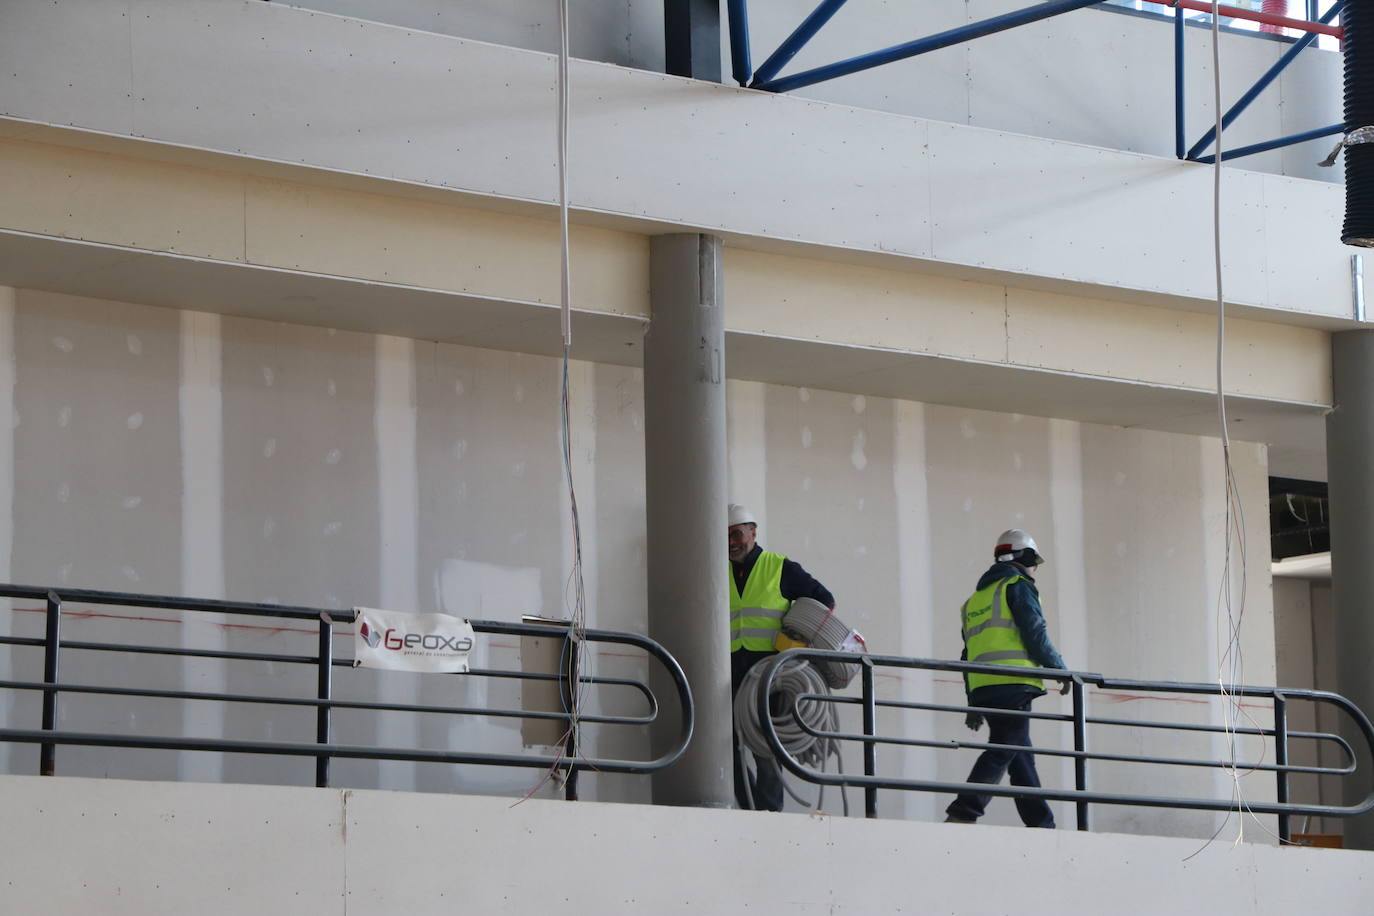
{"x": 322, "y": 748}
{"x": 871, "y": 782}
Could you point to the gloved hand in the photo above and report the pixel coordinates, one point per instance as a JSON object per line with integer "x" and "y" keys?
{"x": 974, "y": 721}
{"x": 1064, "y": 687}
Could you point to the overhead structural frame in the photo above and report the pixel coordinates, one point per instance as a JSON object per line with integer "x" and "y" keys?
{"x": 766, "y": 77}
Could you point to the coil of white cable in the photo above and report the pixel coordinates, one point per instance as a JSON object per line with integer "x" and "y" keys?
{"x": 817, "y": 625}
{"x": 795, "y": 679}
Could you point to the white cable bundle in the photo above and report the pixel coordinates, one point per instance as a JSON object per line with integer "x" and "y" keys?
{"x": 817, "y": 625}
{"x": 793, "y": 680}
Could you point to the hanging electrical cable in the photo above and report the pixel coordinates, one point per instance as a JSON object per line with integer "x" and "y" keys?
{"x": 578, "y": 601}
{"x": 573, "y": 659}
{"x": 1230, "y": 663}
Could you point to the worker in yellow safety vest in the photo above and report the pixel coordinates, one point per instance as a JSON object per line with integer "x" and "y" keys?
{"x": 1004, "y": 625}
{"x": 762, "y": 586}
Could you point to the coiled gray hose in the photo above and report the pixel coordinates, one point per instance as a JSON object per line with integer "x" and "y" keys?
{"x": 794, "y": 679}
{"x": 818, "y": 626}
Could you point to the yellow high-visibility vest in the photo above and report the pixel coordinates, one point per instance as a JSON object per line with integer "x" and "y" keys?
{"x": 756, "y": 616}
{"x": 992, "y": 637}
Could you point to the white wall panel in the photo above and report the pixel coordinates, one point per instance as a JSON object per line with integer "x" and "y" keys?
{"x": 146, "y": 848}
{"x": 1022, "y": 204}
{"x": 917, "y": 535}
{"x": 826, "y": 300}
{"x": 202, "y": 531}
{"x": 81, "y": 846}
{"x": 621, "y": 32}
{"x": 93, "y": 36}
{"x": 398, "y": 500}
{"x": 1302, "y": 268}
{"x": 279, "y": 83}
{"x": 703, "y": 155}
{"x": 77, "y": 194}
{"x": 747, "y": 446}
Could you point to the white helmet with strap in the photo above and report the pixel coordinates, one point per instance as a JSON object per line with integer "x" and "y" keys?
{"x": 1014, "y": 545}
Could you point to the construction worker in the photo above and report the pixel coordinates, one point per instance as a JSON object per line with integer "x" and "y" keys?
{"x": 1003, "y": 624}
{"x": 762, "y": 585}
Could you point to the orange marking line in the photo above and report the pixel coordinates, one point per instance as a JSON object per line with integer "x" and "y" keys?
{"x": 1137, "y": 697}
{"x": 338, "y": 630}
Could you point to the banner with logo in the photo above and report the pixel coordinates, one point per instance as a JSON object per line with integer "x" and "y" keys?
{"x": 400, "y": 641}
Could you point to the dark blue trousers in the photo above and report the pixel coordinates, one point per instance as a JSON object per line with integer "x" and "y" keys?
{"x": 991, "y": 765}
{"x": 765, "y": 786}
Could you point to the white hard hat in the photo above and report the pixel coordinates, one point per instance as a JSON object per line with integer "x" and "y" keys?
{"x": 1011, "y": 543}
{"x": 739, "y": 515}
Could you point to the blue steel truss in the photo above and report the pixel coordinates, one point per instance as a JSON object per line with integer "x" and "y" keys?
{"x": 766, "y": 77}
{"x": 1208, "y": 138}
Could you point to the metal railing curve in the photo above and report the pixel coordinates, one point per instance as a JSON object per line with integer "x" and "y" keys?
{"x": 1080, "y": 721}
{"x": 321, "y": 747}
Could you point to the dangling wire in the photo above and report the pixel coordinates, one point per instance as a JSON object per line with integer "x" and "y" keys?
{"x": 577, "y": 623}
{"x": 1231, "y": 661}
{"x": 565, "y": 265}
{"x": 572, "y": 660}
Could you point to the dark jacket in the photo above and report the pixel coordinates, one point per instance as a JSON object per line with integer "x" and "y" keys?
{"x": 796, "y": 583}
{"x": 1024, "y": 600}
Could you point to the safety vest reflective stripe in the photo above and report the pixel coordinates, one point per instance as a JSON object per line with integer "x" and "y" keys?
{"x": 1008, "y": 655}
{"x": 996, "y": 639}
{"x": 749, "y": 613}
{"x": 756, "y": 615}
{"x": 767, "y": 633}
{"x": 978, "y": 628}
{"x": 998, "y": 618}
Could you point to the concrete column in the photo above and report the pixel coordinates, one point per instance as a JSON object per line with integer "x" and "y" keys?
{"x": 1350, "y": 477}
{"x": 685, "y": 478}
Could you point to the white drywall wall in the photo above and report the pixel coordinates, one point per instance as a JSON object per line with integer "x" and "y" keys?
{"x": 343, "y": 469}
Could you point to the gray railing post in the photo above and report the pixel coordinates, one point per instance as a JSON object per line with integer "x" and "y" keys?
{"x": 1281, "y": 758}
{"x": 870, "y": 730}
{"x": 322, "y": 714}
{"x": 567, "y": 686}
{"x": 47, "y": 754}
{"x": 1080, "y": 746}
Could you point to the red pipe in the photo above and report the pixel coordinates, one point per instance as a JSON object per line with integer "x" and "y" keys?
{"x": 1273, "y": 8}
{"x": 1302, "y": 25}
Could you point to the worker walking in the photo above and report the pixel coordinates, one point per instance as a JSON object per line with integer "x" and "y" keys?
{"x": 1003, "y": 624}
{"x": 762, "y": 586}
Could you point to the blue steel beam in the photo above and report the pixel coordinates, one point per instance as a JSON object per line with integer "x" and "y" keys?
{"x": 1260, "y": 85}
{"x": 741, "y": 66}
{"x": 922, "y": 45}
{"x": 798, "y": 39}
{"x": 1267, "y": 145}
